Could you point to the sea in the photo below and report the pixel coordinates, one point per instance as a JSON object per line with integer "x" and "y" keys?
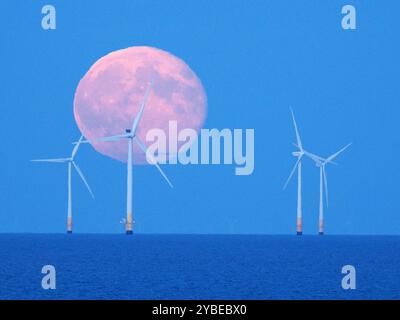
{"x": 142, "y": 266}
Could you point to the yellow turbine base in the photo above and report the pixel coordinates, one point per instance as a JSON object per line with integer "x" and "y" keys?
{"x": 128, "y": 225}
{"x": 299, "y": 227}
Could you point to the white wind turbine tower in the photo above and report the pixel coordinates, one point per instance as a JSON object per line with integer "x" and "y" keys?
{"x": 323, "y": 182}
{"x": 299, "y": 154}
{"x": 71, "y": 163}
{"x": 130, "y": 136}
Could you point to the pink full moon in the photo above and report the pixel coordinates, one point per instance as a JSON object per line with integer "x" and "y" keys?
{"x": 109, "y": 96}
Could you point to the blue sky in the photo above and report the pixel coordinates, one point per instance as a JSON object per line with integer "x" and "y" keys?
{"x": 255, "y": 59}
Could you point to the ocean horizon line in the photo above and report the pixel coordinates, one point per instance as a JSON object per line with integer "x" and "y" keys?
{"x": 202, "y": 234}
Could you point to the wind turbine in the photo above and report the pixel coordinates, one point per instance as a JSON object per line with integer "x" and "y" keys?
{"x": 71, "y": 163}
{"x": 323, "y": 182}
{"x": 130, "y": 136}
{"x": 299, "y": 154}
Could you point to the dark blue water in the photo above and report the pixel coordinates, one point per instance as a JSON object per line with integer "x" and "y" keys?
{"x": 199, "y": 266}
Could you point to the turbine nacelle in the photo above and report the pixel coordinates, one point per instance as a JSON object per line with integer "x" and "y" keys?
{"x": 129, "y": 134}
{"x": 297, "y": 153}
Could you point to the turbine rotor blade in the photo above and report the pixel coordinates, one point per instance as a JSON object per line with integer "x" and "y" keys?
{"x": 59, "y": 160}
{"x": 330, "y": 158}
{"x": 326, "y": 186}
{"x": 75, "y": 150}
{"x": 297, "y": 131}
{"x": 83, "y": 178}
{"x": 314, "y": 157}
{"x": 83, "y": 141}
{"x": 292, "y": 172}
{"x": 144, "y": 149}
{"x": 139, "y": 115}
{"x": 110, "y": 138}
{"x": 113, "y": 138}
